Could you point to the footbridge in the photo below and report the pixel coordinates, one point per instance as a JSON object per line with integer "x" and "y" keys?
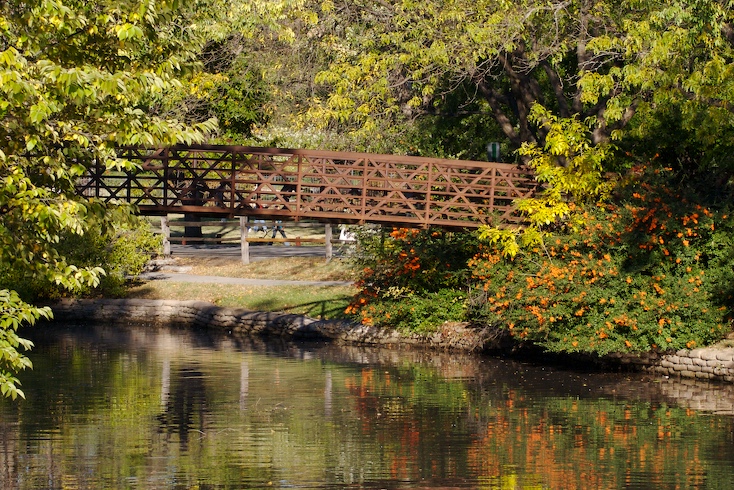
{"x": 324, "y": 186}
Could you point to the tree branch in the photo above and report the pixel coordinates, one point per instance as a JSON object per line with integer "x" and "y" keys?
{"x": 603, "y": 131}
{"x": 557, "y": 86}
{"x": 495, "y": 101}
{"x": 728, "y": 31}
{"x": 526, "y": 92}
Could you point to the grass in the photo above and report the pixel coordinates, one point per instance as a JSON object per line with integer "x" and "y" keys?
{"x": 315, "y": 301}
{"x": 291, "y": 268}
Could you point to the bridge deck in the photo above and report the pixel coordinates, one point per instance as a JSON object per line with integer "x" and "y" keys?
{"x": 326, "y": 186}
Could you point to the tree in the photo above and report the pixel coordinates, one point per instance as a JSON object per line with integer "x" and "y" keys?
{"x": 673, "y": 66}
{"x": 679, "y": 59}
{"x": 225, "y": 88}
{"x": 77, "y": 80}
{"x": 600, "y": 62}
{"x": 405, "y": 57}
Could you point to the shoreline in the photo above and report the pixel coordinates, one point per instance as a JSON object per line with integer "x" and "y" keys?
{"x": 712, "y": 363}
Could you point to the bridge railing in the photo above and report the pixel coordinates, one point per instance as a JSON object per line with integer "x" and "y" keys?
{"x": 327, "y": 186}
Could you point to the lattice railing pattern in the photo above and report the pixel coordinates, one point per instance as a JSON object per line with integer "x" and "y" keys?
{"x": 319, "y": 185}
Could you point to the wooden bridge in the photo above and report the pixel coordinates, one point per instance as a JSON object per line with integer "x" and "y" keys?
{"x": 271, "y": 183}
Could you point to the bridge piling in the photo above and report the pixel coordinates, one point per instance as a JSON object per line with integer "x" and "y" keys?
{"x": 327, "y": 239}
{"x": 166, "y": 232}
{"x": 244, "y": 244}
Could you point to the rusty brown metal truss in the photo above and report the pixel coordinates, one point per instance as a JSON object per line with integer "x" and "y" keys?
{"x": 324, "y": 186}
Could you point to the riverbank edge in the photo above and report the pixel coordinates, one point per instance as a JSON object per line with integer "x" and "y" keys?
{"x": 704, "y": 363}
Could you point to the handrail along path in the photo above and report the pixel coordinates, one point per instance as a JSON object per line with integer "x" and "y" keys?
{"x": 325, "y": 186}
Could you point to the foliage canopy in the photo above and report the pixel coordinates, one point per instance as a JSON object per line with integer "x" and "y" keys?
{"x": 77, "y": 80}
{"x": 599, "y": 63}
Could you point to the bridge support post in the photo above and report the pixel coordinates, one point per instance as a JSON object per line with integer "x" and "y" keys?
{"x": 166, "y": 232}
{"x": 244, "y": 244}
{"x": 327, "y": 242}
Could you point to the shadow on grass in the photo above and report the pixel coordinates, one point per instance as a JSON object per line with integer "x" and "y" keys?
{"x": 330, "y": 309}
{"x": 326, "y": 306}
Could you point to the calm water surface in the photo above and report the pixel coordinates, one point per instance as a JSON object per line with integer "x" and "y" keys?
{"x": 143, "y": 408}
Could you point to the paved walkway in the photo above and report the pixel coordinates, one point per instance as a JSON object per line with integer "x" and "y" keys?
{"x": 184, "y": 277}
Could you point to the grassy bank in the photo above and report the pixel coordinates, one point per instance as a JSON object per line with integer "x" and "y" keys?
{"x": 288, "y": 268}
{"x": 314, "y": 301}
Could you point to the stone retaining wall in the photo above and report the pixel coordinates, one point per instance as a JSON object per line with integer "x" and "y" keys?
{"x": 242, "y": 321}
{"x": 699, "y": 363}
{"x": 707, "y": 363}
{"x": 182, "y": 313}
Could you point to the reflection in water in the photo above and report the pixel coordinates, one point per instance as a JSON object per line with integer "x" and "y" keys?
{"x": 244, "y": 384}
{"x": 146, "y": 408}
{"x": 186, "y": 407}
{"x": 327, "y": 395}
{"x": 165, "y": 382}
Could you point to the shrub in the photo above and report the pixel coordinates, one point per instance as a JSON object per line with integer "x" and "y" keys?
{"x": 125, "y": 255}
{"x": 652, "y": 270}
{"x": 413, "y": 279}
{"x": 121, "y": 251}
{"x": 409, "y": 311}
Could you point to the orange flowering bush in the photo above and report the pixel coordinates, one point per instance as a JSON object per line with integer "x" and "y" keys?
{"x": 651, "y": 270}
{"x": 416, "y": 279}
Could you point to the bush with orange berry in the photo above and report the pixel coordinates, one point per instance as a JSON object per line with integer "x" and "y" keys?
{"x": 412, "y": 279}
{"x": 652, "y": 269}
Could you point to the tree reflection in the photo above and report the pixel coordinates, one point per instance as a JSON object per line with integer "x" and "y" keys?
{"x": 186, "y": 407}
{"x": 170, "y": 413}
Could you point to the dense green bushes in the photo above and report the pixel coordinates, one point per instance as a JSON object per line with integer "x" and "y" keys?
{"x": 650, "y": 269}
{"x": 412, "y": 279}
{"x": 653, "y": 270}
{"x": 121, "y": 251}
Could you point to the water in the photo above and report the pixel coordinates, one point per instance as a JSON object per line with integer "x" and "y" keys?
{"x": 142, "y": 408}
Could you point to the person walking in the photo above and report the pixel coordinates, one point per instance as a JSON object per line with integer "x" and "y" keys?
{"x": 278, "y": 228}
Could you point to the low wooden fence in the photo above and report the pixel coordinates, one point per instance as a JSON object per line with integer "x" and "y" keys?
{"x": 243, "y": 236}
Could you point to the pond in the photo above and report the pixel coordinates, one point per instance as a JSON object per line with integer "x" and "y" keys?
{"x": 145, "y": 408}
